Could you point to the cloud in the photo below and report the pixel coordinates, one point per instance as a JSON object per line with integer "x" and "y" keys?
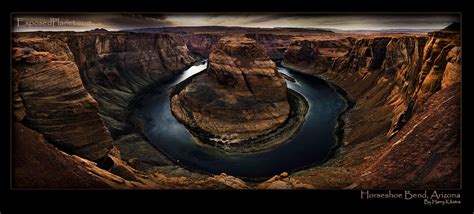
{"x": 125, "y": 21}
{"x": 83, "y": 22}
{"x": 338, "y": 21}
{"x": 119, "y": 21}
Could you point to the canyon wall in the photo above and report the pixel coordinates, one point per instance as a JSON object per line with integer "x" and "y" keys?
{"x": 198, "y": 43}
{"x": 51, "y": 106}
{"x": 391, "y": 79}
{"x": 275, "y": 44}
{"x": 54, "y": 74}
{"x": 66, "y": 104}
{"x": 202, "y": 43}
{"x": 316, "y": 55}
{"x": 425, "y": 153}
{"x": 116, "y": 66}
{"x": 50, "y": 98}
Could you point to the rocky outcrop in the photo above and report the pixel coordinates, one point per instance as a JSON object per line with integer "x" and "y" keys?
{"x": 240, "y": 96}
{"x": 282, "y": 181}
{"x": 37, "y": 164}
{"x": 441, "y": 65}
{"x": 51, "y": 99}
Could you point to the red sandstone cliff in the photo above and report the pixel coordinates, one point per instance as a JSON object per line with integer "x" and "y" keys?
{"x": 393, "y": 80}
{"x": 51, "y": 99}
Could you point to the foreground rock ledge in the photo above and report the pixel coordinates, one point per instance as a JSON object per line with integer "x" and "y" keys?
{"x": 238, "y": 100}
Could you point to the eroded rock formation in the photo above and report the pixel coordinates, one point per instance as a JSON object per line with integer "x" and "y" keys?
{"x": 240, "y": 96}
{"x": 50, "y": 98}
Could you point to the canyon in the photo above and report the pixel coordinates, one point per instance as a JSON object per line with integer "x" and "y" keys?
{"x": 74, "y": 97}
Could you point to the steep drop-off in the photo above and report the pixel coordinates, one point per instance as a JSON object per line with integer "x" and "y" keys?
{"x": 51, "y": 99}
{"x": 391, "y": 79}
{"x": 38, "y": 164}
{"x": 51, "y": 105}
{"x": 199, "y": 43}
{"x": 116, "y": 66}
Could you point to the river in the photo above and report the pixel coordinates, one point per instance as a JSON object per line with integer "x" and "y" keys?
{"x": 311, "y": 145}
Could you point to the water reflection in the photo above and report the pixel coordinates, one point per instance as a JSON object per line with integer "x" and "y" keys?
{"x": 309, "y": 146}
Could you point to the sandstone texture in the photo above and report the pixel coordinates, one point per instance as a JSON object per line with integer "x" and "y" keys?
{"x": 425, "y": 153}
{"x": 51, "y": 99}
{"x": 38, "y": 164}
{"x": 239, "y": 96}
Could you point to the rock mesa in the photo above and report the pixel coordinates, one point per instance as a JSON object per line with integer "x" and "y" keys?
{"x": 240, "y": 96}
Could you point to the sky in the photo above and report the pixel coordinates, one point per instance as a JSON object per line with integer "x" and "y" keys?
{"x": 121, "y": 21}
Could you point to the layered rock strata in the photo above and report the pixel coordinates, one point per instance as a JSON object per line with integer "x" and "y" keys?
{"x": 116, "y": 66}
{"x": 113, "y": 67}
{"x": 240, "y": 96}
{"x": 392, "y": 78}
{"x": 274, "y": 44}
{"x": 199, "y": 43}
{"x": 52, "y": 107}
{"x": 316, "y": 55}
{"x": 50, "y": 98}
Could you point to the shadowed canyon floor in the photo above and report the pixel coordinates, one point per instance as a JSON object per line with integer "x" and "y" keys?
{"x": 76, "y": 95}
